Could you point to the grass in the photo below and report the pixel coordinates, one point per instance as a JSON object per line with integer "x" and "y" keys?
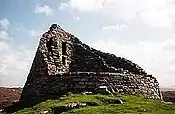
{"x": 133, "y": 104}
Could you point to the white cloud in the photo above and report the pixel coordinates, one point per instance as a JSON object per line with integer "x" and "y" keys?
{"x": 15, "y": 61}
{"x": 4, "y": 23}
{"x": 154, "y": 13}
{"x": 63, "y": 6}
{"x": 157, "y": 18}
{"x": 85, "y": 5}
{"x": 115, "y": 27}
{"x": 4, "y": 36}
{"x": 14, "y": 64}
{"x": 43, "y": 9}
{"x": 156, "y": 58}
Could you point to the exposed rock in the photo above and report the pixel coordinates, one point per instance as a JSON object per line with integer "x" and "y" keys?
{"x": 70, "y": 106}
{"x": 44, "y": 112}
{"x": 87, "y": 93}
{"x": 60, "y": 109}
{"x": 64, "y": 64}
{"x": 114, "y": 101}
{"x": 91, "y": 103}
{"x": 109, "y": 100}
{"x": 103, "y": 90}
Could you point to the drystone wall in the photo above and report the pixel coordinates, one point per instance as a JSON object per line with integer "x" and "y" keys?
{"x": 115, "y": 82}
{"x": 56, "y": 49}
{"x": 87, "y": 59}
{"x": 96, "y": 82}
{"x": 62, "y": 62}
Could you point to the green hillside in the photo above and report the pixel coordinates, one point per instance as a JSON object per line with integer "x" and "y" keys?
{"x": 102, "y": 104}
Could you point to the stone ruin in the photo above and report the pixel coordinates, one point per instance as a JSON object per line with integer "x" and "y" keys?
{"x": 64, "y": 64}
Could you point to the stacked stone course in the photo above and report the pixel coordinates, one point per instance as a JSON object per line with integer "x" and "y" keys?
{"x": 64, "y": 64}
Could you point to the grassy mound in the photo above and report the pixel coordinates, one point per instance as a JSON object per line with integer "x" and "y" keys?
{"x": 104, "y": 104}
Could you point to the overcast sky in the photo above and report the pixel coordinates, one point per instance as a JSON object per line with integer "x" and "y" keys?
{"x": 142, "y": 31}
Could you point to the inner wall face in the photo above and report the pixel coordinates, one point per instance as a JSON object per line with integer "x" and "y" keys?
{"x": 53, "y": 57}
{"x": 56, "y": 47}
{"x": 59, "y": 52}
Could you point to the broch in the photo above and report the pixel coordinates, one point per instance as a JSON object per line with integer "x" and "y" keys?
{"x": 64, "y": 64}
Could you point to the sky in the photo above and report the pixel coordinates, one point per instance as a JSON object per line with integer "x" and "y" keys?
{"x": 142, "y": 31}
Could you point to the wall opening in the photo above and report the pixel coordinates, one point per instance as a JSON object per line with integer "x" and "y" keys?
{"x": 49, "y": 46}
{"x": 64, "y": 48}
{"x": 64, "y": 60}
{"x": 64, "y": 54}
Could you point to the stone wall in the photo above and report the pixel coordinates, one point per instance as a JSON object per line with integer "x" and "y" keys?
{"x": 62, "y": 62}
{"x": 88, "y": 59}
{"x": 56, "y": 45}
{"x": 91, "y": 81}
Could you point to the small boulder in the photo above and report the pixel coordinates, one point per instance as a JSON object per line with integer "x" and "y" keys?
{"x": 91, "y": 103}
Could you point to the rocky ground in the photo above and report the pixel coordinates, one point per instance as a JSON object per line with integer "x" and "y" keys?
{"x": 168, "y": 96}
{"x": 10, "y": 95}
